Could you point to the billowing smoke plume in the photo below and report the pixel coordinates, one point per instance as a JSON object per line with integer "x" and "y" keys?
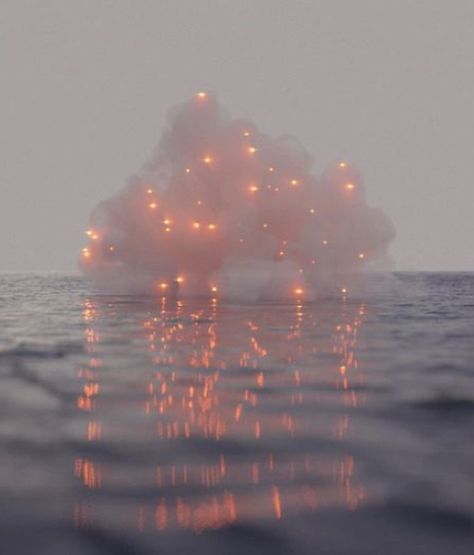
{"x": 222, "y": 209}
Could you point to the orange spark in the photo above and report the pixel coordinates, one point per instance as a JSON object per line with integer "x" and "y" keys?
{"x": 163, "y": 285}
{"x": 342, "y": 164}
{"x": 246, "y": 133}
{"x": 211, "y": 227}
{"x": 299, "y": 291}
{"x": 252, "y": 150}
{"x": 167, "y": 221}
{"x": 152, "y": 205}
{"x": 196, "y": 225}
{"x": 180, "y": 279}
{"x": 294, "y": 182}
{"x": 343, "y": 290}
{"x": 349, "y": 186}
{"x": 149, "y": 191}
{"x": 207, "y": 160}
{"x": 214, "y": 289}
{"x": 201, "y": 94}
{"x": 86, "y": 252}
{"x": 253, "y": 188}
{"x": 361, "y": 255}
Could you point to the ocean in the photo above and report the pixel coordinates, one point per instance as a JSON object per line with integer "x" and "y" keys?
{"x": 135, "y": 425}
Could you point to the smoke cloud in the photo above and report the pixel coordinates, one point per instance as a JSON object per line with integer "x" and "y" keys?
{"x": 221, "y": 209}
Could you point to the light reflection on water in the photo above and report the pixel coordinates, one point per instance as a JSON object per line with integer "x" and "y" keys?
{"x": 217, "y": 414}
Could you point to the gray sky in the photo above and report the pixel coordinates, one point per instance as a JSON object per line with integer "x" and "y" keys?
{"x": 385, "y": 84}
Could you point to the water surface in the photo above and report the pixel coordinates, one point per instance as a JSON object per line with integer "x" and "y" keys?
{"x": 148, "y": 425}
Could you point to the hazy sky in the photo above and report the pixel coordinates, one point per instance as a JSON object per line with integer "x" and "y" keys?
{"x": 387, "y": 85}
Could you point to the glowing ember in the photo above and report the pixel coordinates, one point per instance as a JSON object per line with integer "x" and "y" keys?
{"x": 349, "y": 186}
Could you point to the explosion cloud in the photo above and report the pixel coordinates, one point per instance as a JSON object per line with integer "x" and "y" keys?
{"x": 222, "y": 209}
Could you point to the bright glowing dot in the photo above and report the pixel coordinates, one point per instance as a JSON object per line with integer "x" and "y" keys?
{"x": 301, "y": 270}
{"x": 281, "y": 253}
{"x": 241, "y": 240}
{"x": 342, "y": 164}
{"x": 298, "y": 291}
{"x": 163, "y": 285}
{"x": 180, "y": 279}
{"x": 167, "y": 229}
{"x": 294, "y": 182}
{"x": 111, "y": 249}
{"x": 313, "y": 261}
{"x": 167, "y": 221}
{"x": 89, "y": 232}
{"x": 188, "y": 170}
{"x": 361, "y": 255}
{"x": 86, "y": 253}
{"x": 276, "y": 189}
{"x": 343, "y": 290}
{"x": 253, "y": 188}
{"x": 349, "y": 186}
{"x": 196, "y": 225}
{"x": 94, "y": 236}
{"x": 312, "y": 210}
{"x": 207, "y": 160}
{"x": 149, "y": 191}
{"x": 246, "y": 133}
{"x": 265, "y": 226}
{"x": 270, "y": 169}
{"x": 201, "y": 94}
{"x": 325, "y": 242}
{"x": 199, "y": 202}
{"x": 152, "y": 205}
{"x": 211, "y": 226}
{"x": 252, "y": 150}
{"x": 214, "y": 289}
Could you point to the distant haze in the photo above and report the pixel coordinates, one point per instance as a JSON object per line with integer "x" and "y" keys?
{"x": 385, "y": 85}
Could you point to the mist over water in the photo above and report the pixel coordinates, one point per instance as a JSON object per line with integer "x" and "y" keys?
{"x": 222, "y": 209}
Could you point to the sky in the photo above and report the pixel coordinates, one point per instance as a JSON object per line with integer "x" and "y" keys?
{"x": 86, "y": 85}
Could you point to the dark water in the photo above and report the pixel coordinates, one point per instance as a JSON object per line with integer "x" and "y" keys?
{"x": 144, "y": 426}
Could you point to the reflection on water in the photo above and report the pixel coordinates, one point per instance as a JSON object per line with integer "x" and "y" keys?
{"x": 215, "y": 414}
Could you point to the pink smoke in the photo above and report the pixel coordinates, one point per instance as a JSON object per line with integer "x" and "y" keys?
{"x": 222, "y": 209}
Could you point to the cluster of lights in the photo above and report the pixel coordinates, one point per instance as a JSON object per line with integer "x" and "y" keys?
{"x": 196, "y": 225}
